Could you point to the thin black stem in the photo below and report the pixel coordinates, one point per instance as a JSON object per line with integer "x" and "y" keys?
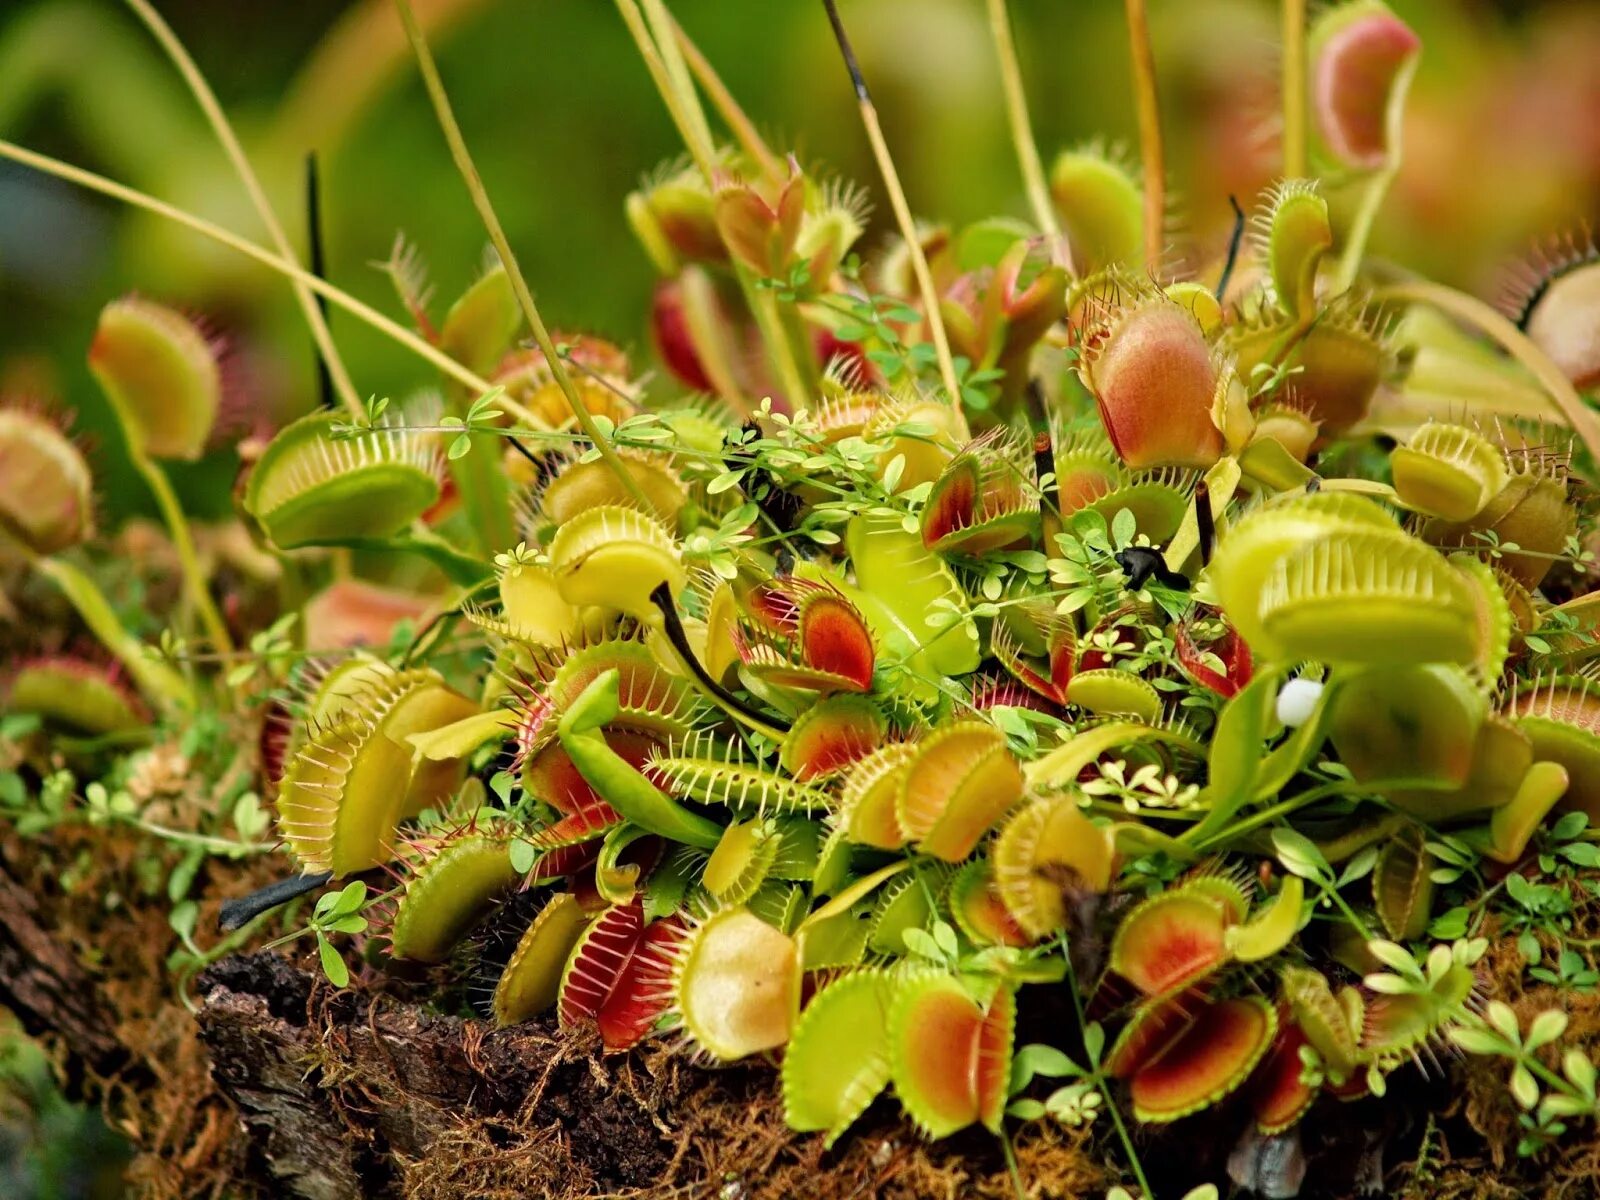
{"x": 319, "y": 268}
{"x": 1044, "y": 454}
{"x": 240, "y": 912}
{"x": 848, "y": 52}
{"x": 1204, "y": 520}
{"x": 672, "y": 624}
{"x": 1234, "y": 242}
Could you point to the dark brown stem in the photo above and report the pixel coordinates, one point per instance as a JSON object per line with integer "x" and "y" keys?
{"x": 236, "y": 914}
{"x": 1205, "y": 521}
{"x": 672, "y": 625}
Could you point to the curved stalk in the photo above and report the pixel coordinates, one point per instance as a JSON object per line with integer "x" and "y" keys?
{"x": 497, "y": 235}
{"x": 677, "y": 108}
{"x": 672, "y": 626}
{"x": 1294, "y": 89}
{"x": 1378, "y": 185}
{"x": 153, "y": 677}
{"x": 218, "y": 120}
{"x": 194, "y": 582}
{"x": 1044, "y": 213}
{"x": 726, "y": 105}
{"x": 292, "y": 271}
{"x": 897, "y": 202}
{"x": 669, "y": 73}
{"x": 1488, "y": 321}
{"x": 664, "y": 31}
{"x": 1152, "y": 154}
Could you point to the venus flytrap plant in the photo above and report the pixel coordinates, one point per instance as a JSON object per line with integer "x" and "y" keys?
{"x": 163, "y": 379}
{"x": 843, "y": 731}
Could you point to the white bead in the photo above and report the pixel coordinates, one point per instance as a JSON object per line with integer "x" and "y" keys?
{"x": 1297, "y": 701}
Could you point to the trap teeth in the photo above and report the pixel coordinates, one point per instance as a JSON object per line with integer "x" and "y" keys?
{"x": 615, "y": 557}
{"x": 161, "y": 373}
{"x": 46, "y": 492}
{"x": 314, "y": 485}
{"x": 1154, "y": 379}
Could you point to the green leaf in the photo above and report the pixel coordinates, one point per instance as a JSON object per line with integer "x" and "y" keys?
{"x": 1569, "y": 826}
{"x": 182, "y": 877}
{"x": 501, "y": 783}
{"x": 1237, "y": 746}
{"x": 1300, "y": 856}
{"x": 920, "y": 942}
{"x": 523, "y": 855}
{"x": 1500, "y": 1016}
{"x": 1477, "y": 1041}
{"x": 1546, "y": 1028}
{"x": 249, "y": 818}
{"x": 1038, "y": 1059}
{"x": 1578, "y": 1068}
{"x": 1394, "y": 956}
{"x": 893, "y": 472}
{"x": 1359, "y": 867}
{"x": 1451, "y": 924}
{"x": 1124, "y": 526}
{"x": 1094, "y": 1041}
{"x": 332, "y": 965}
{"x": 1523, "y": 1087}
{"x": 183, "y": 917}
{"x": 349, "y": 899}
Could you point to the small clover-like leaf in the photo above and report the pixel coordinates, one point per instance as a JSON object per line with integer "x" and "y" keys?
{"x": 1523, "y": 1087}
{"x": 1546, "y": 1028}
{"x": 1499, "y": 1015}
{"x": 333, "y": 966}
{"x": 1299, "y": 854}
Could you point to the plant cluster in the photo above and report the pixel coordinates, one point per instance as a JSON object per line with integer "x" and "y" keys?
{"x": 1005, "y": 615}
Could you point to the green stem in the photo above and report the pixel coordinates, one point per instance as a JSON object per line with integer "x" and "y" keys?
{"x": 724, "y": 102}
{"x": 1152, "y": 155}
{"x": 902, "y": 210}
{"x": 212, "y": 845}
{"x": 664, "y": 31}
{"x": 1011, "y": 1164}
{"x": 291, "y": 271}
{"x": 677, "y": 106}
{"x": 1044, "y": 213}
{"x": 1339, "y": 787}
{"x": 1103, "y": 1084}
{"x": 220, "y": 125}
{"x": 664, "y": 60}
{"x": 764, "y": 307}
{"x": 153, "y": 677}
{"x": 1343, "y": 906}
{"x": 194, "y": 581}
{"x": 1294, "y": 89}
{"x": 497, "y": 235}
{"x": 1475, "y": 312}
{"x": 1378, "y": 186}
{"x": 617, "y": 781}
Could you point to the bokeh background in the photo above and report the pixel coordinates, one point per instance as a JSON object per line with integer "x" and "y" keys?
{"x": 1503, "y": 147}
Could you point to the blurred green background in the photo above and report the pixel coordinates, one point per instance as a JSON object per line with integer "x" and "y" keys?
{"x": 1503, "y": 146}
